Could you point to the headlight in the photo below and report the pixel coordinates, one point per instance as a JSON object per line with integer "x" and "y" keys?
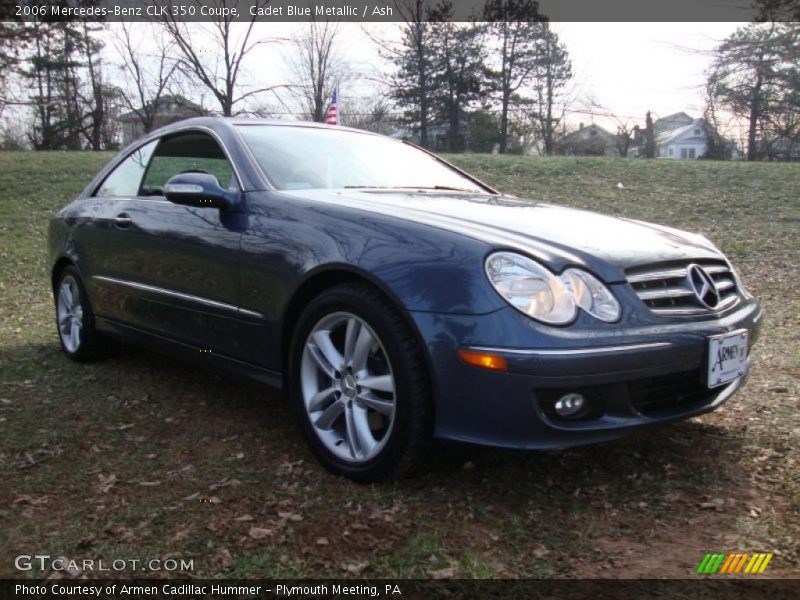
{"x": 591, "y": 295}
{"x": 532, "y": 289}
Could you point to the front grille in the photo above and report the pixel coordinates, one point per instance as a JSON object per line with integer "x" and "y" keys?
{"x": 677, "y": 392}
{"x": 666, "y": 288}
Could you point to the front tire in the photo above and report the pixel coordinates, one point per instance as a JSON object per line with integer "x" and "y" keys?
{"x": 359, "y": 385}
{"x": 75, "y": 319}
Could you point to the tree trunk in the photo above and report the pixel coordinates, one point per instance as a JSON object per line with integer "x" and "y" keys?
{"x": 504, "y": 124}
{"x": 755, "y": 114}
{"x": 548, "y": 128}
{"x": 422, "y": 87}
{"x": 506, "y": 94}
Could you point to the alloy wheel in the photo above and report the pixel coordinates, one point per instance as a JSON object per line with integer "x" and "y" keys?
{"x": 348, "y": 387}
{"x": 70, "y": 314}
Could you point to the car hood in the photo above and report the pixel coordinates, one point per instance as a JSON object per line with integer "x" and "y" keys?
{"x": 554, "y": 234}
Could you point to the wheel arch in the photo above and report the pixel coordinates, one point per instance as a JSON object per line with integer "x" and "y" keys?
{"x": 321, "y": 278}
{"x": 62, "y": 263}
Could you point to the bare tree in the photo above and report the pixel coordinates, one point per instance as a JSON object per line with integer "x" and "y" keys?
{"x": 150, "y": 77}
{"x": 317, "y": 66}
{"x": 95, "y": 130}
{"x": 218, "y": 66}
{"x": 14, "y": 37}
{"x": 625, "y": 129}
{"x": 370, "y": 114}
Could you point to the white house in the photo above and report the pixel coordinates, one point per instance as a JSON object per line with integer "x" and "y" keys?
{"x": 682, "y": 137}
{"x": 688, "y": 141}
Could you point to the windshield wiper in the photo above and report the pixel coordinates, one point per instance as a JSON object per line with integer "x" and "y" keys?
{"x": 367, "y": 187}
{"x": 446, "y": 188}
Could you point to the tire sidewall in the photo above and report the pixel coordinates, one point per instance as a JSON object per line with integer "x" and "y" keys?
{"x": 391, "y": 454}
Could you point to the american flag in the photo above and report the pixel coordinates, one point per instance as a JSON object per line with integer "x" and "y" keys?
{"x": 332, "y": 116}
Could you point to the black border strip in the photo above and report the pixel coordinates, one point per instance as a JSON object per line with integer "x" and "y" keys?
{"x": 375, "y": 11}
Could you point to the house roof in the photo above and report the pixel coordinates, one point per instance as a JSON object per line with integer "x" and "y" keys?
{"x": 188, "y": 107}
{"x": 673, "y": 121}
{"x": 678, "y": 116}
{"x": 671, "y": 135}
{"x": 597, "y": 128}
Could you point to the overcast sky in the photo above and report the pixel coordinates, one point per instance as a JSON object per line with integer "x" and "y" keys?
{"x": 626, "y": 68}
{"x": 632, "y": 67}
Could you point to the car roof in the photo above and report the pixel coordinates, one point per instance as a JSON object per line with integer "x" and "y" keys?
{"x": 249, "y": 174}
{"x": 230, "y": 122}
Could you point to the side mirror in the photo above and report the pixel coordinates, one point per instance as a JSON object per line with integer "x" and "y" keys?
{"x": 199, "y": 189}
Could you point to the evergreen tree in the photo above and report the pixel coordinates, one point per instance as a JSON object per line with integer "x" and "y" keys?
{"x": 517, "y": 28}
{"x": 552, "y": 70}
{"x": 413, "y": 84}
{"x": 459, "y": 76}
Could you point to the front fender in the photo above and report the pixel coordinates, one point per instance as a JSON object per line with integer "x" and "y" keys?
{"x": 289, "y": 239}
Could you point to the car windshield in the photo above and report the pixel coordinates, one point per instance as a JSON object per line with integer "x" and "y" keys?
{"x": 296, "y": 158}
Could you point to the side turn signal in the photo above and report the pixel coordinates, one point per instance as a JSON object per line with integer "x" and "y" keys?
{"x": 493, "y": 362}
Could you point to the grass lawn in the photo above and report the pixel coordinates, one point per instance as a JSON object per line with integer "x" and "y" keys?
{"x": 142, "y": 457}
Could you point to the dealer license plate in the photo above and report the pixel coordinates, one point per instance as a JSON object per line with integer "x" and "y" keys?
{"x": 727, "y": 357}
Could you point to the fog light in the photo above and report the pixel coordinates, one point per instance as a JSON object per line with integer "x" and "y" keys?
{"x": 569, "y": 404}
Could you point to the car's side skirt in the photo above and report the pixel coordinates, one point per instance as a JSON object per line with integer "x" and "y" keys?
{"x": 180, "y": 350}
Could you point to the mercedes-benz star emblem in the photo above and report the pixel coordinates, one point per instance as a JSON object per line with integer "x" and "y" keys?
{"x": 703, "y": 286}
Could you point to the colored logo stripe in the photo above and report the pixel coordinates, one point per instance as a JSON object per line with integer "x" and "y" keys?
{"x": 710, "y": 563}
{"x": 734, "y": 563}
{"x": 758, "y": 563}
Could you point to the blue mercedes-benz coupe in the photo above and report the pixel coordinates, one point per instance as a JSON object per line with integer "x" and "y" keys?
{"x": 394, "y": 297}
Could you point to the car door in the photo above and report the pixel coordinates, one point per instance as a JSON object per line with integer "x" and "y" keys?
{"x": 95, "y": 223}
{"x": 176, "y": 267}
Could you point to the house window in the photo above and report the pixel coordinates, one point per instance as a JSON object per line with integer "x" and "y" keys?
{"x": 671, "y": 151}
{"x": 697, "y": 131}
{"x": 688, "y": 153}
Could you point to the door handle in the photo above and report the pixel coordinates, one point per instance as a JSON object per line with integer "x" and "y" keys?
{"x": 122, "y": 221}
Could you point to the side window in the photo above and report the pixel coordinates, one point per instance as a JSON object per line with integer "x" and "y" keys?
{"x": 124, "y": 181}
{"x": 187, "y": 152}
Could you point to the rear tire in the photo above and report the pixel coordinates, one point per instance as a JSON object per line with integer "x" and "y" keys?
{"x": 75, "y": 319}
{"x": 359, "y": 385}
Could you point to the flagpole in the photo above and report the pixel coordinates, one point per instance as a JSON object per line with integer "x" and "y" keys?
{"x": 339, "y": 106}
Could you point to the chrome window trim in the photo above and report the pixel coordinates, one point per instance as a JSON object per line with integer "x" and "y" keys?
{"x": 158, "y": 139}
{"x": 180, "y": 295}
{"x": 572, "y": 351}
{"x": 216, "y": 137}
{"x": 118, "y": 164}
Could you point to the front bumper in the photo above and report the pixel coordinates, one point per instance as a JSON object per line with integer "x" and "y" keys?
{"x": 639, "y": 372}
